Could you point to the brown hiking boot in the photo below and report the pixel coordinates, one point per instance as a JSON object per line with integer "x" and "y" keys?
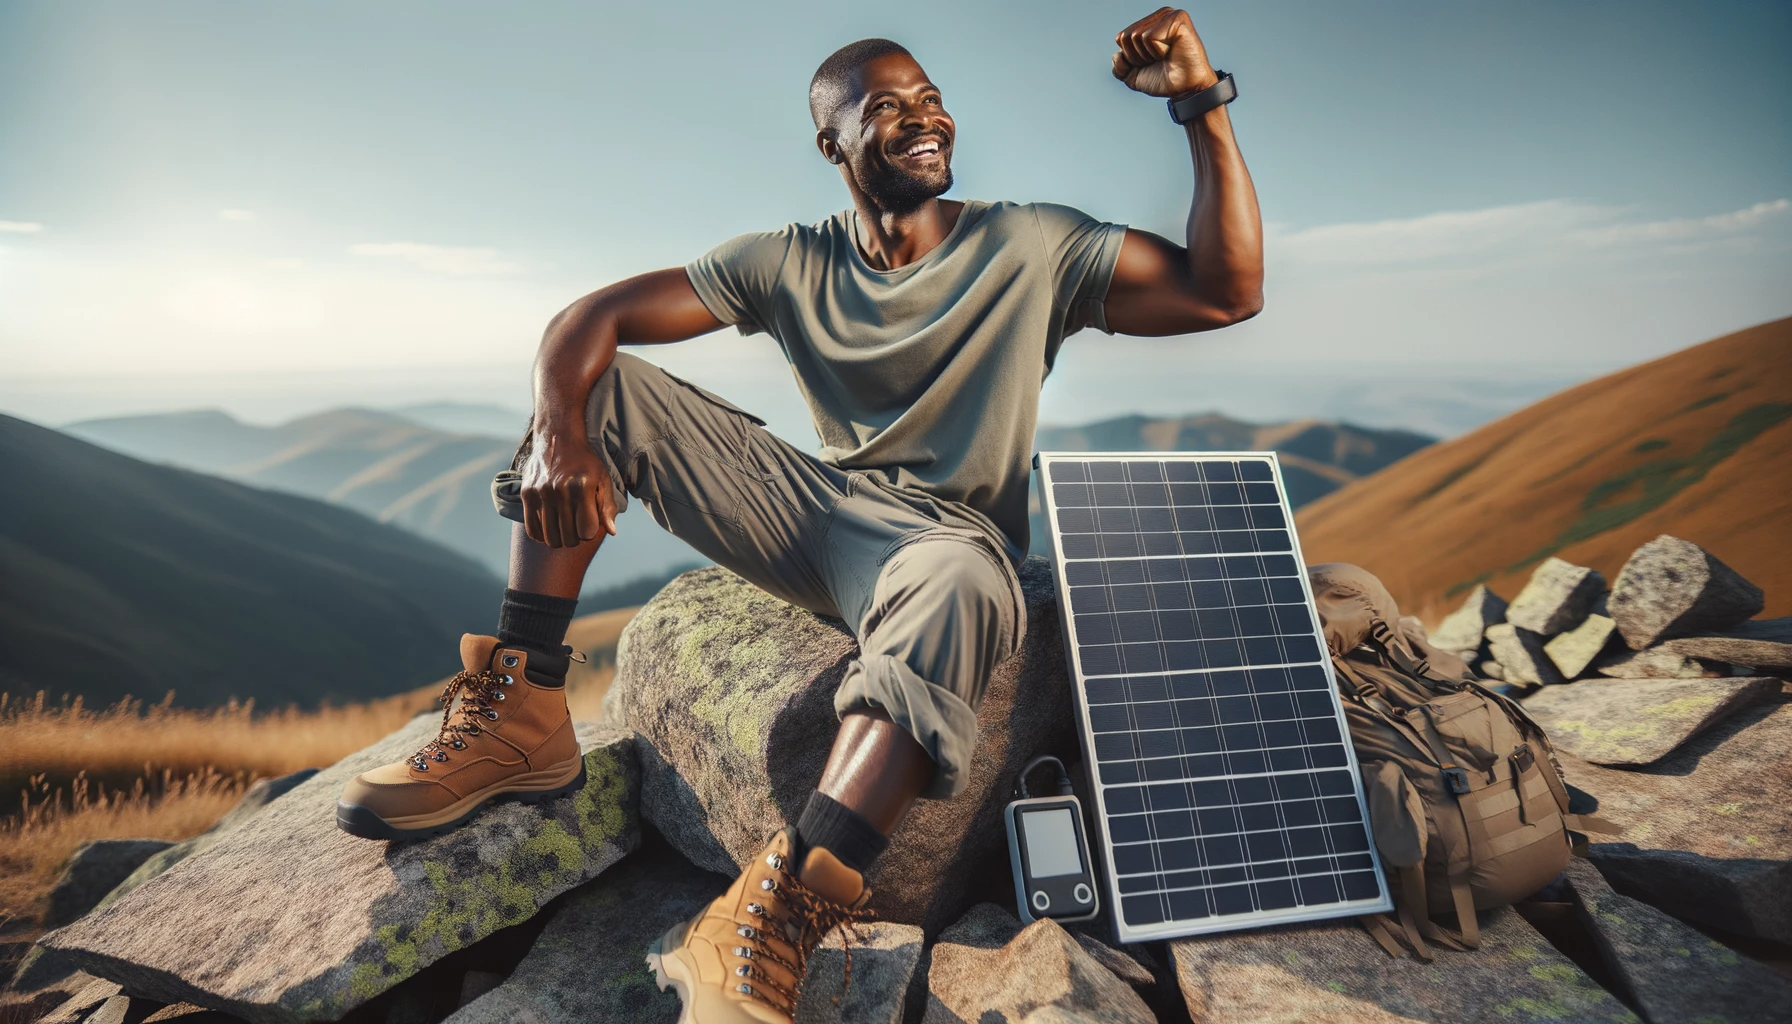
{"x": 507, "y": 737}
{"x": 741, "y": 961}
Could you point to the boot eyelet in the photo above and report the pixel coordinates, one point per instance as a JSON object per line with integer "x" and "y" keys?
{"x": 438, "y": 757}
{"x": 508, "y": 680}
{"x": 491, "y": 713}
{"x": 774, "y": 860}
{"x": 421, "y": 766}
{"x": 768, "y": 885}
{"x": 744, "y": 952}
{"x": 745, "y": 989}
{"x": 459, "y": 744}
{"x": 509, "y": 661}
{"x": 756, "y": 910}
{"x": 498, "y": 695}
{"x": 746, "y": 932}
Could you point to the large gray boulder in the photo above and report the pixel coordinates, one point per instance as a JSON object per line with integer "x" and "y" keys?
{"x": 1638, "y": 721}
{"x": 1461, "y": 630}
{"x": 262, "y": 793}
{"x": 987, "y": 968}
{"x": 1556, "y": 598}
{"x": 1332, "y": 971}
{"x": 94, "y": 870}
{"x": 1762, "y": 643}
{"x": 1708, "y": 829}
{"x": 733, "y": 691}
{"x": 589, "y": 964}
{"x": 287, "y": 918}
{"x": 1672, "y": 587}
{"x": 1670, "y": 971}
{"x": 1522, "y": 657}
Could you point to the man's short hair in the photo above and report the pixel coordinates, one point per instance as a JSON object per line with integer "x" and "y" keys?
{"x": 828, "y": 89}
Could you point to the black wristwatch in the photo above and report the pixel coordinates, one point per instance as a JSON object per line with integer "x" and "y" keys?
{"x": 1190, "y": 105}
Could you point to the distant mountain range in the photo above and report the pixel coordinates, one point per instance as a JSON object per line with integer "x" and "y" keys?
{"x": 1697, "y": 444}
{"x": 119, "y": 577}
{"x": 427, "y": 468}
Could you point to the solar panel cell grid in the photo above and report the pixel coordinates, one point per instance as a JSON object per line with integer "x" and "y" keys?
{"x": 1226, "y": 787}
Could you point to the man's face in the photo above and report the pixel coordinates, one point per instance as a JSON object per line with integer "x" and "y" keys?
{"x": 894, "y": 134}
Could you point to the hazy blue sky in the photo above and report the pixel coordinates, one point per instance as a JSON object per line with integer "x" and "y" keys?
{"x": 410, "y": 190}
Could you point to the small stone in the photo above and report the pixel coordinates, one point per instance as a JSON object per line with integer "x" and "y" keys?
{"x": 93, "y": 871}
{"x": 987, "y": 967}
{"x": 287, "y": 918}
{"x": 1520, "y": 653}
{"x": 1575, "y": 650}
{"x": 112, "y": 1011}
{"x": 1638, "y": 721}
{"x": 884, "y": 956}
{"x": 1333, "y": 971}
{"x": 1490, "y": 669}
{"x": 1462, "y": 629}
{"x": 1708, "y": 829}
{"x": 1763, "y": 643}
{"x": 1557, "y": 598}
{"x": 1673, "y": 588}
{"x": 1672, "y": 971}
{"x": 82, "y": 1003}
{"x": 1656, "y": 664}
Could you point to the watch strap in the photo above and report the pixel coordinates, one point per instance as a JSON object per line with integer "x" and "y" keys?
{"x": 1190, "y": 105}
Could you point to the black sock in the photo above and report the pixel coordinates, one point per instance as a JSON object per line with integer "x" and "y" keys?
{"x": 839, "y": 829}
{"x": 537, "y": 623}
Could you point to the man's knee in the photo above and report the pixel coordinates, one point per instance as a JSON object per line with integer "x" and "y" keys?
{"x": 953, "y": 578}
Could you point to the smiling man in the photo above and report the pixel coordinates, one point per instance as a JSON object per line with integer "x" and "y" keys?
{"x": 920, "y": 331}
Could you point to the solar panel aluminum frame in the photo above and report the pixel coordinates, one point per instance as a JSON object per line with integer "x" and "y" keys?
{"x": 1104, "y": 844}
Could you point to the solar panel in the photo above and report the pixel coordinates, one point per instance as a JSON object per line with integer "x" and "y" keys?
{"x": 1226, "y": 791}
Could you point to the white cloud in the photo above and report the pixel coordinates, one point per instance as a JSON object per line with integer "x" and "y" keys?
{"x": 23, "y": 227}
{"x": 236, "y": 216}
{"x": 459, "y": 261}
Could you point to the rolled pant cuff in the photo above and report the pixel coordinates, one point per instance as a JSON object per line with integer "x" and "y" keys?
{"x": 943, "y": 724}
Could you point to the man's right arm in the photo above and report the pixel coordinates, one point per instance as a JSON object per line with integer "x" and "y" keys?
{"x": 566, "y": 492}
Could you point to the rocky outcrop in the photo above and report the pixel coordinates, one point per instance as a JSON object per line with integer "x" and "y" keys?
{"x": 733, "y": 690}
{"x": 1575, "y": 650}
{"x": 1761, "y": 643}
{"x": 988, "y": 968}
{"x": 93, "y": 871}
{"x": 589, "y": 962}
{"x": 1671, "y": 588}
{"x": 1556, "y": 599}
{"x": 262, "y": 793}
{"x": 1669, "y": 971}
{"x": 1706, "y": 833}
{"x": 1332, "y": 971}
{"x": 286, "y": 918}
{"x": 1521, "y": 654}
{"x": 1638, "y": 721}
{"x": 1461, "y": 632}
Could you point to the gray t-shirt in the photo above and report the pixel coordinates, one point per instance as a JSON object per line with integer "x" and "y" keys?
{"x": 928, "y": 374}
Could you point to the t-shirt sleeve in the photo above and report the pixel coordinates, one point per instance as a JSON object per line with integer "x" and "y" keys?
{"x": 1082, "y": 251}
{"x": 738, "y": 278}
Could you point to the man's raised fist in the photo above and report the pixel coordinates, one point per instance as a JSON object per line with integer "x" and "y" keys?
{"x": 1160, "y": 55}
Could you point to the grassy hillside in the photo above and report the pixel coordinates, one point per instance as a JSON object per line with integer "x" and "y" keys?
{"x": 122, "y": 578}
{"x": 1697, "y": 444}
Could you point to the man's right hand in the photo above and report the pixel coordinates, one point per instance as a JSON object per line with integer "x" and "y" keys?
{"x": 568, "y": 499}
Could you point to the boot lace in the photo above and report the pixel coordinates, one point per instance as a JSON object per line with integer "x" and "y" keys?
{"x": 478, "y": 692}
{"x": 810, "y": 916}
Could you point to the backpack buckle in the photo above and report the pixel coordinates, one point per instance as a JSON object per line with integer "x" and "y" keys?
{"x": 1457, "y": 778}
{"x": 1522, "y": 759}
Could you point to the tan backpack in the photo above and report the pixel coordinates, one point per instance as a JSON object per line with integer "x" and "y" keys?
{"x": 1466, "y": 803}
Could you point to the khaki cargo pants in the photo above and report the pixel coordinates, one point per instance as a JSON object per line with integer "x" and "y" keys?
{"x": 925, "y": 586}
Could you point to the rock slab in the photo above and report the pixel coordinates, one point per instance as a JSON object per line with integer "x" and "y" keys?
{"x": 286, "y": 918}
{"x": 1657, "y": 664}
{"x": 1574, "y": 651}
{"x": 1461, "y": 630}
{"x": 1673, "y": 972}
{"x": 94, "y": 870}
{"x": 1638, "y": 721}
{"x": 1671, "y": 588}
{"x": 1708, "y": 829}
{"x": 884, "y": 957}
{"x": 1761, "y": 643}
{"x": 1521, "y": 656}
{"x": 1558, "y": 596}
{"x": 987, "y": 969}
{"x": 1332, "y": 971}
{"x": 733, "y": 691}
{"x": 589, "y": 964}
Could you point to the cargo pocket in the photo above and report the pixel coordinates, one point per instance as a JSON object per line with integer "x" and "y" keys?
{"x": 1396, "y": 815}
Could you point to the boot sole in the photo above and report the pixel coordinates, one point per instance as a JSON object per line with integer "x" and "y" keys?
{"x": 658, "y": 955}
{"x": 360, "y": 821}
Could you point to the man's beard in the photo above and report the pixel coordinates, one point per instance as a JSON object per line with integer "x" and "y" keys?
{"x": 897, "y": 191}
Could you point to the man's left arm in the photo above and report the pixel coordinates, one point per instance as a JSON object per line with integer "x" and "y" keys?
{"x": 1159, "y": 287}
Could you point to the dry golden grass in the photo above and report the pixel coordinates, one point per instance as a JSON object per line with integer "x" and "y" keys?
{"x": 69, "y": 774}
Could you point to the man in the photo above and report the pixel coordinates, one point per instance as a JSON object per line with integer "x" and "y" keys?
{"x": 920, "y": 330}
